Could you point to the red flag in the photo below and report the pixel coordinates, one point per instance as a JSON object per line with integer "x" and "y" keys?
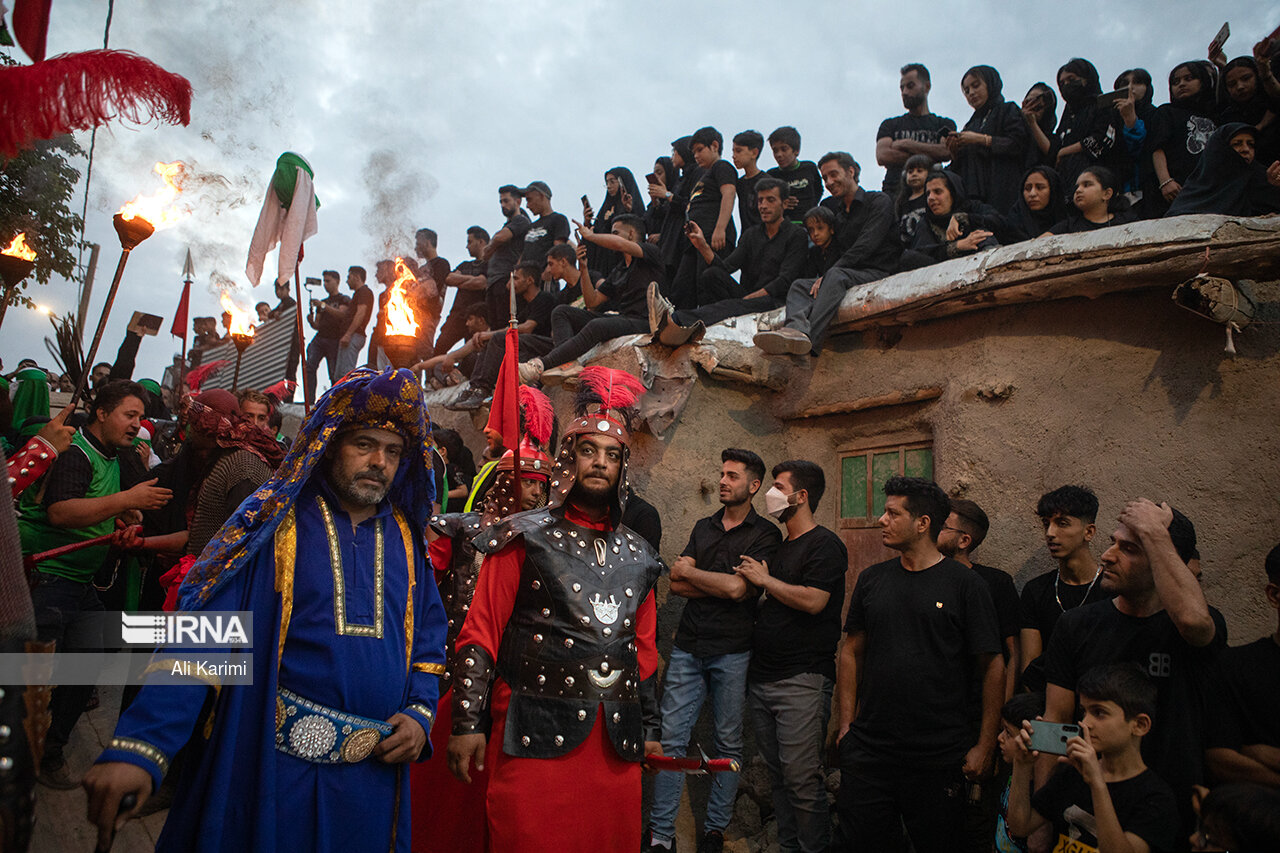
{"x": 31, "y": 26}
{"x": 179, "y": 329}
{"x": 504, "y": 412}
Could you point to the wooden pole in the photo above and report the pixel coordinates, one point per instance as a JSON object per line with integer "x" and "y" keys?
{"x": 308, "y": 393}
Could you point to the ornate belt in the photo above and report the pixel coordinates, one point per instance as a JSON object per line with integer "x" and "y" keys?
{"x": 313, "y": 732}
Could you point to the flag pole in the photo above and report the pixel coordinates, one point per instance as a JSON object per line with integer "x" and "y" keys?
{"x": 308, "y": 393}
{"x": 513, "y": 340}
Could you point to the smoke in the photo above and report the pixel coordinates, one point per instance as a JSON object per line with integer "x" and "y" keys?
{"x": 395, "y": 189}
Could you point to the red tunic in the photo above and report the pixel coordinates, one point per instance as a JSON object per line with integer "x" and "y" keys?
{"x": 448, "y": 815}
{"x": 587, "y": 801}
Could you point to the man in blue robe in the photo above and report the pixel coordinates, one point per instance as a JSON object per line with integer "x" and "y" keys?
{"x": 349, "y": 636}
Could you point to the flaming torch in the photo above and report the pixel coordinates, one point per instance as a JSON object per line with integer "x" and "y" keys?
{"x": 241, "y": 335}
{"x": 16, "y": 263}
{"x": 135, "y": 222}
{"x": 401, "y": 342}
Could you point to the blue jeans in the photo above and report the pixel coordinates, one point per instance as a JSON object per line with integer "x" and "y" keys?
{"x": 349, "y": 355}
{"x": 688, "y": 681}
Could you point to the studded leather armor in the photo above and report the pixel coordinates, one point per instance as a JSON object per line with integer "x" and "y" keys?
{"x": 459, "y": 585}
{"x": 569, "y": 647}
{"x": 24, "y": 721}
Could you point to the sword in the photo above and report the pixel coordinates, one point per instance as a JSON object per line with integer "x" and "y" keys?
{"x": 700, "y": 766}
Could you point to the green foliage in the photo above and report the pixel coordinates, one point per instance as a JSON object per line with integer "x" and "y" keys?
{"x": 36, "y": 189}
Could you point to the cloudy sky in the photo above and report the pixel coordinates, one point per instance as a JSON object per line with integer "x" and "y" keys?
{"x": 413, "y": 112}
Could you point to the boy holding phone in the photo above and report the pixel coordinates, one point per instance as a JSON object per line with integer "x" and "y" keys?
{"x": 1104, "y": 797}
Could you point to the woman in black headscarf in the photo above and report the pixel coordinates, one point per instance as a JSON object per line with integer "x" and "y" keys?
{"x": 622, "y": 195}
{"x": 1183, "y": 128}
{"x": 1229, "y": 180}
{"x": 1242, "y": 99}
{"x": 666, "y": 173}
{"x": 1087, "y": 135}
{"x": 1039, "y": 206}
{"x": 672, "y": 235}
{"x": 1040, "y": 113}
{"x": 1138, "y": 173}
{"x": 988, "y": 153}
{"x": 952, "y": 225}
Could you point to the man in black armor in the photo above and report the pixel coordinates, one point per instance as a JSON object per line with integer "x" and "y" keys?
{"x": 557, "y": 653}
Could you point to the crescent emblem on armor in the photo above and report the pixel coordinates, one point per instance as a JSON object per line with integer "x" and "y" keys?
{"x": 604, "y": 682}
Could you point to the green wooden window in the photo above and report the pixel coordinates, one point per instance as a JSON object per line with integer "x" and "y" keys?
{"x": 863, "y": 475}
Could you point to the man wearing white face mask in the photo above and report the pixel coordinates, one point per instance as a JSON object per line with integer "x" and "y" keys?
{"x": 792, "y": 670}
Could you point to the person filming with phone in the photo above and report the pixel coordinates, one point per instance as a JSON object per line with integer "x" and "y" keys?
{"x": 1102, "y": 796}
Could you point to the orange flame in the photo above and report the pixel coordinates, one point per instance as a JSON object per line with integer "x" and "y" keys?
{"x": 158, "y": 208}
{"x": 240, "y": 324}
{"x": 18, "y": 248}
{"x": 400, "y": 319}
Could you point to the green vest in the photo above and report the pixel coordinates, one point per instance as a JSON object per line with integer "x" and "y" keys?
{"x": 39, "y": 535}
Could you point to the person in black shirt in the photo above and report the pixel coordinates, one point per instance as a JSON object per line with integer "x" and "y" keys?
{"x": 990, "y": 151}
{"x": 352, "y": 340}
{"x": 672, "y": 194}
{"x": 1228, "y": 180}
{"x": 746, "y": 152}
{"x": 544, "y": 232}
{"x": 803, "y": 179}
{"x": 1157, "y": 619}
{"x": 1087, "y": 135}
{"x": 965, "y": 529}
{"x": 503, "y": 253}
{"x": 713, "y": 643}
{"x": 1098, "y": 203}
{"x": 567, "y": 266}
{"x": 866, "y": 236}
{"x": 793, "y": 647}
{"x": 432, "y": 279}
{"x": 769, "y": 255}
{"x": 1244, "y": 728}
{"x": 468, "y": 278}
{"x": 917, "y": 131}
{"x": 329, "y": 317}
{"x": 1040, "y": 112}
{"x": 664, "y": 174}
{"x": 675, "y": 328}
{"x": 1067, "y": 515}
{"x": 1105, "y": 797}
{"x": 1182, "y": 130}
{"x": 953, "y": 226}
{"x": 533, "y": 322}
{"x": 622, "y": 195}
{"x": 614, "y": 309}
{"x": 711, "y": 209}
{"x": 1039, "y": 207}
{"x": 910, "y": 204}
{"x": 921, "y": 628}
{"x": 451, "y": 368}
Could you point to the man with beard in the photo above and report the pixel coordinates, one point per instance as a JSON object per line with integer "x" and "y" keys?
{"x": 558, "y": 649}
{"x": 713, "y": 644}
{"x": 867, "y": 240}
{"x": 449, "y": 816}
{"x": 793, "y": 649}
{"x": 86, "y": 490}
{"x": 350, "y": 644}
{"x": 503, "y": 253}
{"x": 1157, "y": 618}
{"x": 917, "y": 131}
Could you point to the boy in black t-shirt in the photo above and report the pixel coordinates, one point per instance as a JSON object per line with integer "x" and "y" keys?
{"x": 746, "y": 151}
{"x": 614, "y": 309}
{"x": 1106, "y": 798}
{"x": 711, "y": 209}
{"x": 793, "y": 653}
{"x": 1244, "y": 726}
{"x": 1016, "y": 711}
{"x": 920, "y": 629}
{"x": 1067, "y": 514}
{"x": 802, "y": 176}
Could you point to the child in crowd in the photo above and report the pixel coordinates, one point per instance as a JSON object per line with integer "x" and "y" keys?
{"x": 1019, "y": 709}
{"x": 746, "y": 151}
{"x": 911, "y": 198}
{"x": 802, "y": 176}
{"x": 1103, "y": 798}
{"x": 1238, "y": 816}
{"x": 1098, "y": 203}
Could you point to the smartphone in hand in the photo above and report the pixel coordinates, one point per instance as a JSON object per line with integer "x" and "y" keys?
{"x": 1051, "y": 738}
